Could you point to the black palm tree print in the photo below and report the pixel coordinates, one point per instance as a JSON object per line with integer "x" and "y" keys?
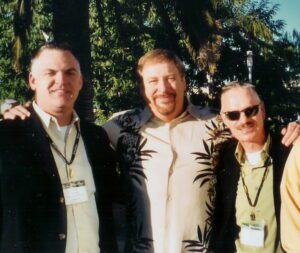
{"x": 218, "y": 134}
{"x": 200, "y": 245}
{"x": 131, "y": 146}
{"x": 142, "y": 244}
{"x": 206, "y": 158}
{"x": 139, "y": 242}
{"x": 137, "y": 155}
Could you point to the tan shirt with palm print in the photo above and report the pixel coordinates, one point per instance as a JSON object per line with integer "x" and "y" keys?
{"x": 170, "y": 167}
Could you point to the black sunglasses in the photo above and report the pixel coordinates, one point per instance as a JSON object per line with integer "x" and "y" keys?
{"x": 249, "y": 112}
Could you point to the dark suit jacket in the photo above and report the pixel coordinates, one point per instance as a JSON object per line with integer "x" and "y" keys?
{"x": 32, "y": 209}
{"x": 225, "y": 229}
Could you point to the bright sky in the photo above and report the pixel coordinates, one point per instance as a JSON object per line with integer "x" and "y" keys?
{"x": 289, "y": 12}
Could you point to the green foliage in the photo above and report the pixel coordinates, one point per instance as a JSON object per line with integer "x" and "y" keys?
{"x": 211, "y": 37}
{"x": 13, "y": 82}
{"x": 121, "y": 32}
{"x": 114, "y": 55}
{"x": 7, "y": 76}
{"x": 276, "y": 57}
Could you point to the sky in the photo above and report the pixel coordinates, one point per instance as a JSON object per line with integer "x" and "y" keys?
{"x": 289, "y": 11}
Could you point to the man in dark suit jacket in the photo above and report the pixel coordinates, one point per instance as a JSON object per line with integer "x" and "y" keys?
{"x": 56, "y": 171}
{"x": 248, "y": 177}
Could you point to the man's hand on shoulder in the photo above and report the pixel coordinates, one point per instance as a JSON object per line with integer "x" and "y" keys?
{"x": 290, "y": 134}
{"x": 19, "y": 111}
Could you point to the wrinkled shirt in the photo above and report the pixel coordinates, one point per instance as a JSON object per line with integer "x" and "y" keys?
{"x": 170, "y": 170}
{"x": 265, "y": 208}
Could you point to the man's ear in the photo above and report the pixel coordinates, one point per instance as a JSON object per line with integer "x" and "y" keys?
{"x": 82, "y": 81}
{"x": 184, "y": 82}
{"x": 32, "y": 81}
{"x": 224, "y": 119}
{"x": 263, "y": 109}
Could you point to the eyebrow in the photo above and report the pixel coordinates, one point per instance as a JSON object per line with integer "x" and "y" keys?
{"x": 73, "y": 69}
{"x": 65, "y": 70}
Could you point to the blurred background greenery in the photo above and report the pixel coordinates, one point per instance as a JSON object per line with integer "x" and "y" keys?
{"x": 210, "y": 36}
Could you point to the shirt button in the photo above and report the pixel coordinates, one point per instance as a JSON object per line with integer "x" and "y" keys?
{"x": 62, "y": 236}
{"x": 61, "y": 200}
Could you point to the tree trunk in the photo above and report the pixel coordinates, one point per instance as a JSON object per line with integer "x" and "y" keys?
{"x": 71, "y": 24}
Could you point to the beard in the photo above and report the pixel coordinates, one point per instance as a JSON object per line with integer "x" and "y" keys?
{"x": 165, "y": 104}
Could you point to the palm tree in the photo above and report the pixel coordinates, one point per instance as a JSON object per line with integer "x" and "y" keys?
{"x": 22, "y": 22}
{"x": 196, "y": 30}
{"x": 71, "y": 24}
{"x": 208, "y": 23}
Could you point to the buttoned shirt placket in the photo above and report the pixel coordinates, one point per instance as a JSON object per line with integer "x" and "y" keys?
{"x": 173, "y": 191}
{"x": 82, "y": 219}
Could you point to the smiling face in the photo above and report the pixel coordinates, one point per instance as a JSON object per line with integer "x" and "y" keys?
{"x": 247, "y": 130}
{"x": 56, "y": 79}
{"x": 163, "y": 89}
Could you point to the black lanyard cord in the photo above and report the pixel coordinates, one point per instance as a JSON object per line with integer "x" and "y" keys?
{"x": 268, "y": 162}
{"x": 75, "y": 146}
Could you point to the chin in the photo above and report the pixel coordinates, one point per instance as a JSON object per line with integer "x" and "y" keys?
{"x": 248, "y": 138}
{"x": 167, "y": 109}
{"x": 64, "y": 104}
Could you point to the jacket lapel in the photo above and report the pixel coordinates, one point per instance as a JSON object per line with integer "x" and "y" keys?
{"x": 40, "y": 146}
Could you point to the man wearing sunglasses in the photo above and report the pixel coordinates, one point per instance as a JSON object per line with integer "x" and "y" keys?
{"x": 168, "y": 157}
{"x": 248, "y": 176}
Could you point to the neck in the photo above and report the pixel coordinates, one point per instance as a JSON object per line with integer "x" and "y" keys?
{"x": 251, "y": 147}
{"x": 64, "y": 119}
{"x": 63, "y": 116}
{"x": 168, "y": 117}
{"x": 165, "y": 118}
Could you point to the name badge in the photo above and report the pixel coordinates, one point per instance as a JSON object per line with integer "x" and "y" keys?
{"x": 75, "y": 192}
{"x": 253, "y": 234}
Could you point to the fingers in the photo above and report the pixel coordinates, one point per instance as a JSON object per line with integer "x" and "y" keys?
{"x": 15, "y": 112}
{"x": 283, "y": 131}
{"x": 292, "y": 133}
{"x": 27, "y": 104}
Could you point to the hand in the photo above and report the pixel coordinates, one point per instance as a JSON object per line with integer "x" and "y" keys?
{"x": 20, "y": 111}
{"x": 290, "y": 134}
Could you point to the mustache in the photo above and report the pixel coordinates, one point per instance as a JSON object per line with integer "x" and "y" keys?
{"x": 167, "y": 94}
{"x": 247, "y": 124}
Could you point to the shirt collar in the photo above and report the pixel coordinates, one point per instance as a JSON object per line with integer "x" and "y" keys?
{"x": 47, "y": 119}
{"x": 240, "y": 153}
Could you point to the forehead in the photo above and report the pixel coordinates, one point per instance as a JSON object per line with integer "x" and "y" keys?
{"x": 239, "y": 99}
{"x": 54, "y": 59}
{"x": 157, "y": 68}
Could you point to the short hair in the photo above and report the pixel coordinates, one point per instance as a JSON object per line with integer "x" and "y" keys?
{"x": 159, "y": 55}
{"x": 238, "y": 84}
{"x": 62, "y": 46}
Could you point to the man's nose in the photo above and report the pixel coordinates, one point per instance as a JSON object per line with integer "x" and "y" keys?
{"x": 163, "y": 85}
{"x": 60, "y": 77}
{"x": 243, "y": 118}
